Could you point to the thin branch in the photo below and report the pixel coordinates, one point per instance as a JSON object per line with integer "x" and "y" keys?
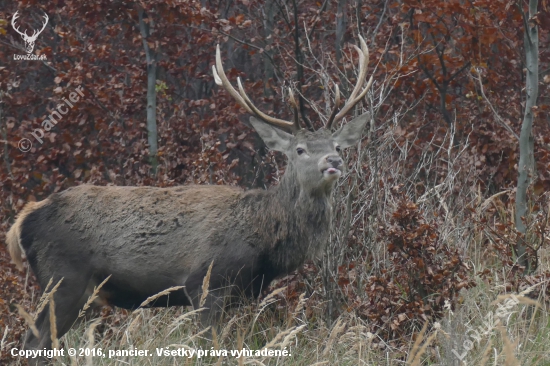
{"x": 253, "y": 46}
{"x": 380, "y": 21}
{"x": 299, "y": 66}
{"x": 317, "y": 17}
{"x": 455, "y": 74}
{"x": 285, "y": 18}
{"x": 525, "y": 24}
{"x": 426, "y": 72}
{"x": 498, "y": 118}
{"x": 440, "y": 55}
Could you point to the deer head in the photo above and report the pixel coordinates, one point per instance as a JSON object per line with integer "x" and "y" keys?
{"x": 29, "y": 40}
{"x": 313, "y": 156}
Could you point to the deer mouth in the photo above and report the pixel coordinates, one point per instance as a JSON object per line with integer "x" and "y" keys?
{"x": 329, "y": 172}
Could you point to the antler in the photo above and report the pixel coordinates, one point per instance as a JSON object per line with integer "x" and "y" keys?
{"x": 240, "y": 96}
{"x": 15, "y": 16}
{"x": 35, "y": 34}
{"x": 294, "y": 107}
{"x": 355, "y": 96}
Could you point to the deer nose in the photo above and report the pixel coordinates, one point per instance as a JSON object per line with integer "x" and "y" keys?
{"x": 335, "y": 161}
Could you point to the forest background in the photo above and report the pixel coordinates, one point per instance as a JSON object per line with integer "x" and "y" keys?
{"x": 425, "y": 215}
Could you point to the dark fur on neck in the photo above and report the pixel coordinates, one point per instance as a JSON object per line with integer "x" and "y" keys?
{"x": 294, "y": 222}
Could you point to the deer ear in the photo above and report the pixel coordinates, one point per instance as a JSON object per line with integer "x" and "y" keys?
{"x": 350, "y": 133}
{"x": 273, "y": 137}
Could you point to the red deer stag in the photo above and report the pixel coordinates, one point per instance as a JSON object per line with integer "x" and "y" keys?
{"x": 149, "y": 239}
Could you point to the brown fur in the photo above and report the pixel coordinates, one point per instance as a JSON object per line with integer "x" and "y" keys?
{"x": 13, "y": 236}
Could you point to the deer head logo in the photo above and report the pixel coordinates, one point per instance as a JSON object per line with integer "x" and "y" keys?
{"x": 29, "y": 40}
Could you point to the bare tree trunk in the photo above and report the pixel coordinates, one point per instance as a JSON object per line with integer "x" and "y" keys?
{"x": 341, "y": 23}
{"x": 526, "y": 165}
{"x": 269, "y": 73}
{"x": 145, "y": 26}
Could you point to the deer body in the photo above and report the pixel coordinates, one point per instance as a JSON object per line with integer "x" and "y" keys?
{"x": 149, "y": 239}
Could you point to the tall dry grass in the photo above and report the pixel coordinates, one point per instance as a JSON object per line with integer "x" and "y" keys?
{"x": 518, "y": 341}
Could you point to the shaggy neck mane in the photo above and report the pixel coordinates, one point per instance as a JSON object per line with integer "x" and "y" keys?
{"x": 295, "y": 223}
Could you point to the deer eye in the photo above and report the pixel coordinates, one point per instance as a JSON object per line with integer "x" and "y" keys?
{"x": 300, "y": 151}
{"x": 338, "y": 149}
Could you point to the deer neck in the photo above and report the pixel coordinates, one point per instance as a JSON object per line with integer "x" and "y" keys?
{"x": 296, "y": 221}
{"x": 301, "y": 200}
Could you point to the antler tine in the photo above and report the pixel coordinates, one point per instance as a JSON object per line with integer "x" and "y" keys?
{"x": 294, "y": 108}
{"x": 240, "y": 96}
{"x": 217, "y": 79}
{"x": 351, "y": 103}
{"x": 221, "y": 79}
{"x": 44, "y": 25}
{"x": 13, "y": 19}
{"x": 271, "y": 120}
{"x": 355, "y": 96}
{"x": 363, "y": 64}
